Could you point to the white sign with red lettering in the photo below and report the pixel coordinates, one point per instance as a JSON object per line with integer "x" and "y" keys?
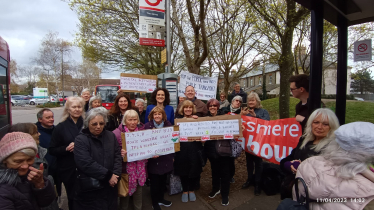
{"x": 363, "y": 50}
{"x": 138, "y": 84}
{"x": 152, "y": 22}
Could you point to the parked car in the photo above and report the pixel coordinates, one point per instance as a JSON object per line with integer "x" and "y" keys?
{"x": 359, "y": 99}
{"x": 19, "y": 100}
{"x": 35, "y": 101}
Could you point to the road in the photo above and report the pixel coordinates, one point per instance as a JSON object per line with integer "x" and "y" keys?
{"x": 28, "y": 114}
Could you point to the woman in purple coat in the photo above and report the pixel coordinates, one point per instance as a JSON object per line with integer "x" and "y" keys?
{"x": 159, "y": 166}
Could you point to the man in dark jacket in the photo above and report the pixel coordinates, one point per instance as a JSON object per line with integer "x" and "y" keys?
{"x": 201, "y": 109}
{"x": 299, "y": 85}
{"x": 238, "y": 92}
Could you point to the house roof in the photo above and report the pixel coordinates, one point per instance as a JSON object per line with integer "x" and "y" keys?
{"x": 109, "y": 82}
{"x": 258, "y": 88}
{"x": 258, "y": 70}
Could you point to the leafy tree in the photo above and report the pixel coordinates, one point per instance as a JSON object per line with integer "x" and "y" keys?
{"x": 279, "y": 20}
{"x": 14, "y": 87}
{"x": 362, "y": 82}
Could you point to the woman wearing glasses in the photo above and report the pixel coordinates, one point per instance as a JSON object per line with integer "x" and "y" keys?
{"x": 99, "y": 164}
{"x": 219, "y": 159}
{"x": 318, "y": 133}
{"x": 234, "y": 107}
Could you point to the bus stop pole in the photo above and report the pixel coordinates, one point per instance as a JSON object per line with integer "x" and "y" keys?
{"x": 168, "y": 37}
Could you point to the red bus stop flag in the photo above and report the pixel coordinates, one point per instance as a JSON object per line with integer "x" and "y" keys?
{"x": 271, "y": 140}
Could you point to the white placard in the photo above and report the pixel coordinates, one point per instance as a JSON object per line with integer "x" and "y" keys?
{"x": 211, "y": 128}
{"x": 362, "y": 50}
{"x": 138, "y": 84}
{"x": 145, "y": 144}
{"x": 205, "y": 87}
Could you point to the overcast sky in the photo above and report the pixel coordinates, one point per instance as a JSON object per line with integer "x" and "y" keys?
{"x": 24, "y": 23}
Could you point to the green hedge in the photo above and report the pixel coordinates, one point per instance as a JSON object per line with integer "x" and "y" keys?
{"x": 49, "y": 105}
{"x": 333, "y": 96}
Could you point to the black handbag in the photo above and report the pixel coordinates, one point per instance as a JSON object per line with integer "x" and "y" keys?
{"x": 223, "y": 148}
{"x": 302, "y": 202}
{"x": 88, "y": 184}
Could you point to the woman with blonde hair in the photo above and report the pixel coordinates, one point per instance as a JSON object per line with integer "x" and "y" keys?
{"x": 187, "y": 163}
{"x": 159, "y": 166}
{"x": 62, "y": 143}
{"x": 254, "y": 109}
{"x": 135, "y": 171}
{"x": 318, "y": 133}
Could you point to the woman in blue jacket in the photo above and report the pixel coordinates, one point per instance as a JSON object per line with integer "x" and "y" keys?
{"x": 161, "y": 98}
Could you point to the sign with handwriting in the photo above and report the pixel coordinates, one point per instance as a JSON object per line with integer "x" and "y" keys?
{"x": 210, "y": 128}
{"x": 138, "y": 83}
{"x": 146, "y": 144}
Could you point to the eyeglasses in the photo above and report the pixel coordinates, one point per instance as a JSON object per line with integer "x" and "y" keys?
{"x": 212, "y": 105}
{"x": 238, "y": 101}
{"x": 292, "y": 89}
{"x": 95, "y": 124}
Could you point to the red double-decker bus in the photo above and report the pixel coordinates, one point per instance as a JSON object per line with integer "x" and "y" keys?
{"x": 5, "y": 101}
{"x": 108, "y": 94}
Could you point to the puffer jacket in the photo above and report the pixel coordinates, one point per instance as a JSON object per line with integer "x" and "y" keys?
{"x": 319, "y": 176}
{"x": 16, "y": 193}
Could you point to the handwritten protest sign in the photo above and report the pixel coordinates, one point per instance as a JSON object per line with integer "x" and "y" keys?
{"x": 138, "y": 83}
{"x": 210, "y": 128}
{"x": 145, "y": 144}
{"x": 205, "y": 87}
{"x": 272, "y": 140}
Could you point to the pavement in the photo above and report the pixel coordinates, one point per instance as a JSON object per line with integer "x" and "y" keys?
{"x": 239, "y": 199}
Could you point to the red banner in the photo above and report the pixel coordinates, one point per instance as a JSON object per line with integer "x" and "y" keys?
{"x": 271, "y": 140}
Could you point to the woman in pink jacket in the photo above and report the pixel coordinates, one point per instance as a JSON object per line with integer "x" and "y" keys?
{"x": 342, "y": 177}
{"x": 135, "y": 170}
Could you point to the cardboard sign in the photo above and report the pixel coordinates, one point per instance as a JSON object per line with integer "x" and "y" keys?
{"x": 145, "y": 144}
{"x": 210, "y": 128}
{"x": 205, "y": 87}
{"x": 272, "y": 140}
{"x": 138, "y": 83}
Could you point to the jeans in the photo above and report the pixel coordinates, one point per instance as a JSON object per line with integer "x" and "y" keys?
{"x": 221, "y": 174}
{"x": 158, "y": 184}
{"x": 254, "y": 162}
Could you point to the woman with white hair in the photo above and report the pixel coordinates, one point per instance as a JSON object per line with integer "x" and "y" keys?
{"x": 342, "y": 177}
{"x": 135, "y": 171}
{"x": 140, "y": 103}
{"x": 254, "y": 162}
{"x": 234, "y": 107}
{"x": 98, "y": 159}
{"x": 22, "y": 186}
{"x": 62, "y": 143}
{"x": 94, "y": 102}
{"x": 86, "y": 95}
{"x": 318, "y": 133}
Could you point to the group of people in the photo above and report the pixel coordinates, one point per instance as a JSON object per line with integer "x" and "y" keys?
{"x": 85, "y": 153}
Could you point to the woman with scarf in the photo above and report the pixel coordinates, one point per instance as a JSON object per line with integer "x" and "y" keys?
{"x": 135, "y": 171}
{"x": 159, "y": 166}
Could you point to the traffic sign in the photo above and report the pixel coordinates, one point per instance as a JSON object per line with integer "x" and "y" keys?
{"x": 363, "y": 50}
{"x": 152, "y": 22}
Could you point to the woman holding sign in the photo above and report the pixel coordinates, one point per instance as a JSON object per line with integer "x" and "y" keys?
{"x": 318, "y": 133}
{"x": 254, "y": 162}
{"x": 121, "y": 104}
{"x": 134, "y": 172}
{"x": 219, "y": 153}
{"x": 159, "y": 166}
{"x": 99, "y": 163}
{"x": 187, "y": 162}
{"x": 161, "y": 98}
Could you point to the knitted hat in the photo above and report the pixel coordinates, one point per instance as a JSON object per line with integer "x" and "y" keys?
{"x": 14, "y": 142}
{"x": 356, "y": 137}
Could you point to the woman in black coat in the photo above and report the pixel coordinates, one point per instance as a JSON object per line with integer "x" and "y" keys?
{"x": 187, "y": 163}
{"x": 219, "y": 161}
{"x": 98, "y": 158}
{"x": 62, "y": 143}
{"x": 159, "y": 166}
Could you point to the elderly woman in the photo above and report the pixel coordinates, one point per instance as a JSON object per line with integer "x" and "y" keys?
{"x": 159, "y": 167}
{"x": 140, "y": 103}
{"x": 254, "y": 109}
{"x": 62, "y": 143}
{"x": 187, "y": 163}
{"x": 219, "y": 159}
{"x": 234, "y": 107}
{"x": 21, "y": 185}
{"x": 98, "y": 159}
{"x": 319, "y": 132}
{"x": 340, "y": 177}
{"x": 95, "y": 101}
{"x": 121, "y": 104}
{"x": 161, "y": 98}
{"x": 136, "y": 171}
{"x": 86, "y": 95}
{"x": 223, "y": 101}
